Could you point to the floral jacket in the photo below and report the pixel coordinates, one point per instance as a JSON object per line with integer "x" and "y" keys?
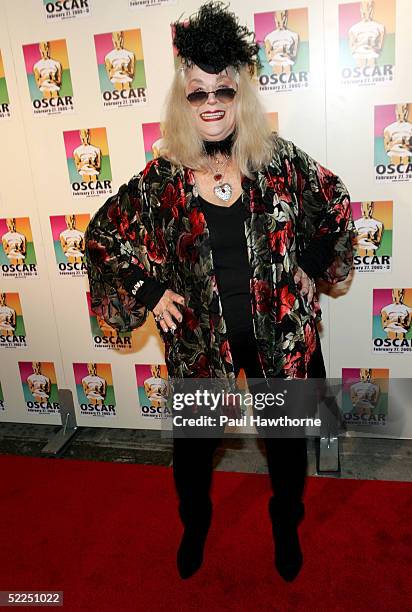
{"x": 153, "y": 227}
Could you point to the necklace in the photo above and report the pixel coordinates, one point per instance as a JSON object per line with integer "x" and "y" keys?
{"x": 222, "y": 190}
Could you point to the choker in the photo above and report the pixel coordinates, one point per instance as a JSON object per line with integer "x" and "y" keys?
{"x": 219, "y": 146}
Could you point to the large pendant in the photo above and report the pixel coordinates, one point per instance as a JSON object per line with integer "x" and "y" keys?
{"x": 223, "y": 192}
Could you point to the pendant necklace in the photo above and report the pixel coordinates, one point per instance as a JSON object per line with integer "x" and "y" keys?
{"x": 222, "y": 190}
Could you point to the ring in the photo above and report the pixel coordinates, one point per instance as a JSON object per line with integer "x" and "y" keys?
{"x": 160, "y": 316}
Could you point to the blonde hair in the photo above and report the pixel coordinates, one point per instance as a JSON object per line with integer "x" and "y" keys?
{"x": 253, "y": 141}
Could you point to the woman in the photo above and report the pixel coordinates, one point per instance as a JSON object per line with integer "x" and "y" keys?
{"x": 221, "y": 238}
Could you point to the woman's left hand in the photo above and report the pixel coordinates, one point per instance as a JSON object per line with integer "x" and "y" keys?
{"x": 305, "y": 284}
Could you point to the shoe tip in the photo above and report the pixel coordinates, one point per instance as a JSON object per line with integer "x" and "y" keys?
{"x": 188, "y": 567}
{"x": 289, "y": 572}
{"x": 186, "y": 573}
{"x": 289, "y": 576}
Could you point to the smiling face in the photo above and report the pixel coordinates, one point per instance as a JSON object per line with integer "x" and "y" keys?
{"x": 214, "y": 120}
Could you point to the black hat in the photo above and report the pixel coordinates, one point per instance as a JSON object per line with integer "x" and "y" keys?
{"x": 213, "y": 39}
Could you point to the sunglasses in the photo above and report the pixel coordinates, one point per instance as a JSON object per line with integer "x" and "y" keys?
{"x": 223, "y": 94}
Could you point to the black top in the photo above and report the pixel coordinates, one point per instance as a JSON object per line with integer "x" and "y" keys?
{"x": 231, "y": 264}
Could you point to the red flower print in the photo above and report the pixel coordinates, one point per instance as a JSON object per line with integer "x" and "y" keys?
{"x": 277, "y": 183}
{"x": 286, "y": 300}
{"x": 326, "y": 181}
{"x": 310, "y": 342}
{"x": 113, "y": 212}
{"x": 185, "y": 248}
{"x": 123, "y": 225}
{"x": 190, "y": 321}
{"x": 136, "y": 204}
{"x": 168, "y": 199}
{"x": 138, "y": 263}
{"x": 180, "y": 194}
{"x": 293, "y": 365}
{"x": 201, "y": 367}
{"x": 279, "y": 186}
{"x": 279, "y": 240}
{"x": 121, "y": 220}
{"x": 189, "y": 176}
{"x": 322, "y": 231}
{"x": 156, "y": 249}
{"x": 261, "y": 292}
{"x": 214, "y": 283}
{"x": 225, "y": 351}
{"x": 97, "y": 252}
{"x": 288, "y": 171}
{"x": 256, "y": 203}
{"x": 343, "y": 212}
{"x": 153, "y": 162}
{"x": 197, "y": 222}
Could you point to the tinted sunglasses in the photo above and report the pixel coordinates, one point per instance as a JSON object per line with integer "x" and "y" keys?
{"x": 223, "y": 94}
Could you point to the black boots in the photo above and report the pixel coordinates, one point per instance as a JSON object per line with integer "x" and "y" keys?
{"x": 193, "y": 467}
{"x": 192, "y": 470}
{"x": 288, "y": 554}
{"x": 196, "y": 527}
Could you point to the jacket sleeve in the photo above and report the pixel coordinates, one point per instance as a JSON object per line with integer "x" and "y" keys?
{"x": 119, "y": 243}
{"x": 325, "y": 228}
{"x": 318, "y": 256}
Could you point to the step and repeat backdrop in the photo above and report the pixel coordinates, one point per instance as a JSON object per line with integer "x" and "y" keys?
{"x": 82, "y": 87}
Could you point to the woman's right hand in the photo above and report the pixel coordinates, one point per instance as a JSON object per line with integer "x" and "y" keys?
{"x": 166, "y": 307}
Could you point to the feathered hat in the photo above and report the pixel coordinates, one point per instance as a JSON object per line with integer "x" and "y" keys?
{"x": 213, "y": 39}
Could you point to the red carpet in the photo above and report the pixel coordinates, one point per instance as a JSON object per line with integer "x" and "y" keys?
{"x": 106, "y": 534}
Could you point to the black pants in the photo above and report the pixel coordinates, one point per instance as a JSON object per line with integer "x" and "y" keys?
{"x": 286, "y": 457}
